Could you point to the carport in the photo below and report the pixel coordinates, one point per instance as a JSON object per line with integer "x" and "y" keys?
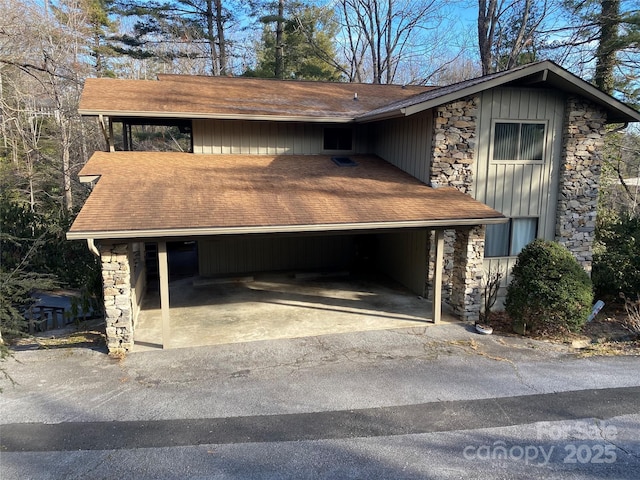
{"x": 273, "y": 306}
{"x": 268, "y": 200}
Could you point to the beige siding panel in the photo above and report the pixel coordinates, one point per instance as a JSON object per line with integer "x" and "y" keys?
{"x": 406, "y": 143}
{"x": 198, "y": 135}
{"x": 403, "y": 257}
{"x": 520, "y": 189}
{"x": 267, "y": 138}
{"x": 505, "y": 265}
{"x": 238, "y": 255}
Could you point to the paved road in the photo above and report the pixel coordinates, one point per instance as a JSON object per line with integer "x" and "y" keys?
{"x": 414, "y": 403}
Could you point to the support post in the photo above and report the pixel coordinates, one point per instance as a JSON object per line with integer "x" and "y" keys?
{"x": 437, "y": 276}
{"x": 163, "y": 269}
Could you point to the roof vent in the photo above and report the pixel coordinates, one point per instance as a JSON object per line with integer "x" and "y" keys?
{"x": 355, "y": 96}
{"x": 344, "y": 162}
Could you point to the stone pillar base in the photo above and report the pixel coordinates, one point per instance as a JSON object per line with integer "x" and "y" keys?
{"x": 467, "y": 273}
{"x": 116, "y": 281}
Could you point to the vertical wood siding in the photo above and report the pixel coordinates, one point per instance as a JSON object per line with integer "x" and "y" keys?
{"x": 520, "y": 189}
{"x": 406, "y": 143}
{"x": 403, "y": 256}
{"x": 505, "y": 265}
{"x": 232, "y": 255}
{"x": 267, "y": 138}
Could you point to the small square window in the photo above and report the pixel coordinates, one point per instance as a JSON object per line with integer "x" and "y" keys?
{"x": 508, "y": 239}
{"x": 518, "y": 141}
{"x": 338, "y": 139}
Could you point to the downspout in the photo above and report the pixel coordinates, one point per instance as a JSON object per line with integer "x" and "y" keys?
{"x": 92, "y": 247}
{"x": 620, "y": 128}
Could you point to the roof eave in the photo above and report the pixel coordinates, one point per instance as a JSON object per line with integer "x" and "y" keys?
{"x": 335, "y": 227}
{"x": 192, "y": 115}
{"x": 617, "y": 111}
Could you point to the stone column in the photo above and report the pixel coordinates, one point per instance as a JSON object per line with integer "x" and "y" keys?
{"x": 116, "y": 281}
{"x": 583, "y": 139}
{"x": 454, "y": 141}
{"x": 453, "y": 145}
{"x": 467, "y": 272}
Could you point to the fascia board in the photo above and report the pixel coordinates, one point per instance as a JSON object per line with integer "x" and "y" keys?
{"x": 473, "y": 89}
{"x": 202, "y": 232}
{"x": 592, "y": 92}
{"x": 571, "y": 81}
{"x": 190, "y": 115}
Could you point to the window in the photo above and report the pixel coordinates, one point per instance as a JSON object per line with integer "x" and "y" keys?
{"x": 152, "y": 134}
{"x": 508, "y": 239}
{"x": 518, "y": 141}
{"x": 338, "y": 139}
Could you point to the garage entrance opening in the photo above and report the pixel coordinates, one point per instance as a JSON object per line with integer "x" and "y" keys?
{"x": 272, "y": 306}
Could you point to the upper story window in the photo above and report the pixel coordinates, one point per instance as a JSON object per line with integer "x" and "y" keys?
{"x": 518, "y": 141}
{"x": 338, "y": 138}
{"x": 508, "y": 239}
{"x": 152, "y": 134}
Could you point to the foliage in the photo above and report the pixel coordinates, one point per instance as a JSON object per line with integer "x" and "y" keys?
{"x": 613, "y": 27}
{"x": 621, "y": 164}
{"x": 307, "y": 40}
{"x": 616, "y": 259}
{"x": 508, "y": 33}
{"x": 93, "y": 25}
{"x": 178, "y": 29}
{"x": 549, "y": 290}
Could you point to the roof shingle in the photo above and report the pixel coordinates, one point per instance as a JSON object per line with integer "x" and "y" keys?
{"x": 153, "y": 192}
{"x": 190, "y": 96}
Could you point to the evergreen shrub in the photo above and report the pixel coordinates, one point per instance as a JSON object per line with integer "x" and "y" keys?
{"x": 549, "y": 291}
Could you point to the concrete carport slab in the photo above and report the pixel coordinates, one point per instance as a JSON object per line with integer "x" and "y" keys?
{"x": 276, "y": 306}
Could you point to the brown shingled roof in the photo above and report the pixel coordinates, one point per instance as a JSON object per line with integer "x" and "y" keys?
{"x": 170, "y": 194}
{"x": 215, "y": 97}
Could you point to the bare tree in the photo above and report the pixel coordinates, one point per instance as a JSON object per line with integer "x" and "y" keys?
{"x": 42, "y": 68}
{"x": 380, "y": 33}
{"x": 505, "y": 29}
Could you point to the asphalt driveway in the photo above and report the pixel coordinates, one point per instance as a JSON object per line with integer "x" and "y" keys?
{"x": 422, "y": 402}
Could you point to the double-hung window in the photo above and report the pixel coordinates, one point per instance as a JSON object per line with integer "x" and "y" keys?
{"x": 508, "y": 239}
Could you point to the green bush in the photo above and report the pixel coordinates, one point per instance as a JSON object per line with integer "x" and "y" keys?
{"x": 549, "y": 290}
{"x": 616, "y": 258}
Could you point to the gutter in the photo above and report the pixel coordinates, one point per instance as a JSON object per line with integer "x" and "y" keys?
{"x": 213, "y": 116}
{"x": 335, "y": 227}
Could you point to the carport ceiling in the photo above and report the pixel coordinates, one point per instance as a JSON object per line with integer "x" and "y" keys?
{"x": 151, "y": 194}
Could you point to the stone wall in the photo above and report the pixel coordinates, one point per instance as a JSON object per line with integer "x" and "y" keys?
{"x": 582, "y": 142}
{"x": 453, "y": 152}
{"x": 116, "y": 281}
{"x": 468, "y": 261}
{"x": 453, "y": 145}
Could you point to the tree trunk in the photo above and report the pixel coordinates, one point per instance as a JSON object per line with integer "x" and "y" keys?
{"x": 66, "y": 163}
{"x": 222, "y": 42}
{"x": 279, "y": 67}
{"x": 211, "y": 38}
{"x": 519, "y": 43}
{"x": 486, "y": 28}
{"x": 606, "y": 51}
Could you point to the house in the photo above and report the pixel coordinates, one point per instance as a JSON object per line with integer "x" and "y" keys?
{"x": 284, "y": 175}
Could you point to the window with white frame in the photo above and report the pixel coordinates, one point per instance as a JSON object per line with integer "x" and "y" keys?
{"x": 518, "y": 141}
{"x": 508, "y": 239}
